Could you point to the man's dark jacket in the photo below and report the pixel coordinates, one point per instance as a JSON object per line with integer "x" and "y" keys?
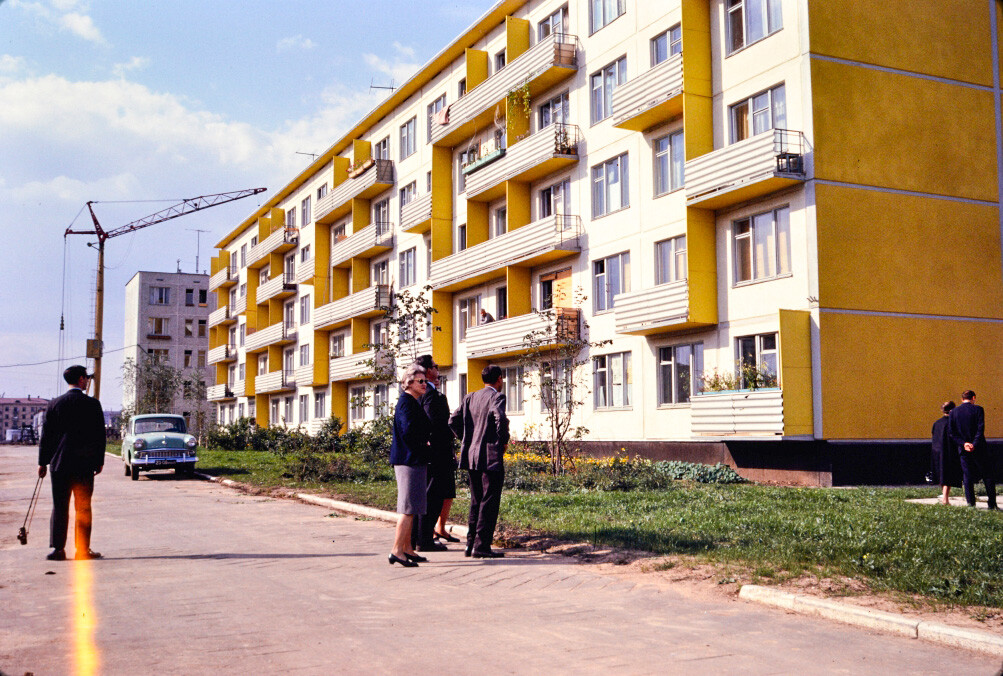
{"x": 73, "y": 437}
{"x": 443, "y": 459}
{"x": 968, "y": 425}
{"x": 481, "y": 424}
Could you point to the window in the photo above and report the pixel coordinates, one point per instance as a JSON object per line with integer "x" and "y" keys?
{"x": 160, "y": 295}
{"x": 241, "y": 371}
{"x": 750, "y": 21}
{"x": 189, "y": 328}
{"x": 602, "y": 85}
{"x": 304, "y": 355}
{"x": 464, "y": 157}
{"x": 407, "y": 194}
{"x": 243, "y": 290}
{"x": 666, "y": 44}
{"x": 322, "y": 191}
{"x": 305, "y": 212}
{"x": 469, "y": 314}
{"x": 264, "y": 275}
{"x": 320, "y": 405}
{"x": 556, "y": 199}
{"x": 604, "y": 11}
{"x": 289, "y": 315}
{"x": 188, "y": 359}
{"x": 762, "y": 112}
{"x": 233, "y": 296}
{"x": 433, "y": 108}
{"x": 243, "y": 255}
{"x": 499, "y": 60}
{"x": 757, "y": 356}
{"x": 556, "y": 384}
{"x": 202, "y": 328}
{"x": 200, "y": 359}
{"x": 763, "y": 245}
{"x": 555, "y": 111}
{"x": 254, "y": 241}
{"x": 338, "y": 345}
{"x": 610, "y": 277}
{"x": 233, "y": 337}
{"x": 240, "y": 410}
{"x": 680, "y": 373}
{"x": 243, "y": 333}
{"x": 611, "y": 380}
{"x": 291, "y": 218}
{"x": 501, "y": 302}
{"x": 233, "y": 260}
{"x": 159, "y": 326}
{"x": 408, "y": 138}
{"x": 407, "y": 268}
{"x": 513, "y": 389}
{"x": 262, "y": 364}
{"x": 287, "y": 409}
{"x": 358, "y": 402}
{"x": 670, "y": 260}
{"x": 381, "y": 216}
{"x": 610, "y": 187}
{"x": 203, "y": 297}
{"x": 304, "y": 408}
{"x": 461, "y": 237}
{"x": 380, "y": 332}
{"x": 381, "y": 400}
{"x": 275, "y": 411}
{"x": 499, "y": 225}
{"x": 304, "y": 253}
{"x": 381, "y": 151}
{"x": 290, "y": 268}
{"x": 461, "y": 88}
{"x": 381, "y": 273}
{"x": 669, "y": 160}
{"x": 288, "y": 361}
{"x": 555, "y": 23}
{"x": 190, "y": 297}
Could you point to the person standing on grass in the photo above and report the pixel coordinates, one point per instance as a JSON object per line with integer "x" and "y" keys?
{"x": 968, "y": 432}
{"x": 409, "y": 458}
{"x": 945, "y": 468}
{"x": 482, "y": 425}
{"x": 441, "y": 464}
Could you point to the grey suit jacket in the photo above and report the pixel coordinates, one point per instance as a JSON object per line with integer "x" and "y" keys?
{"x": 482, "y": 426}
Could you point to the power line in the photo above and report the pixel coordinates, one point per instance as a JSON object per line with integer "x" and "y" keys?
{"x": 50, "y": 361}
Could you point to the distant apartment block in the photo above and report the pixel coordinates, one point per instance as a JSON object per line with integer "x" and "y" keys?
{"x": 18, "y": 412}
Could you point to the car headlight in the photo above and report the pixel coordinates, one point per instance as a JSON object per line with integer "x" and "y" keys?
{"x": 190, "y": 442}
{"x": 139, "y": 444}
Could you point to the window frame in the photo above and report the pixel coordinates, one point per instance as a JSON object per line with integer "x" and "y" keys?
{"x": 515, "y": 399}
{"x": 738, "y": 8}
{"x": 407, "y": 267}
{"x": 674, "y": 157}
{"x": 603, "y": 369}
{"x": 610, "y": 76}
{"x": 780, "y": 233}
{"x": 597, "y": 23}
{"x": 762, "y": 354}
{"x": 601, "y": 185}
{"x": 602, "y": 299}
{"x": 694, "y": 365}
{"x": 408, "y": 142}
{"x": 677, "y": 257}
{"x": 777, "y": 114}
{"x": 434, "y": 107}
{"x": 673, "y": 38}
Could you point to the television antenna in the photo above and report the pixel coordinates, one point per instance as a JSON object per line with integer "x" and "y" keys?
{"x": 198, "y": 235}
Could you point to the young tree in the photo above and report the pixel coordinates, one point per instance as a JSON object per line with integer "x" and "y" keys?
{"x": 196, "y": 399}
{"x": 407, "y": 317}
{"x": 151, "y": 384}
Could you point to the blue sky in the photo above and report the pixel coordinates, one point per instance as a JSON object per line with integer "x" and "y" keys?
{"x": 116, "y": 100}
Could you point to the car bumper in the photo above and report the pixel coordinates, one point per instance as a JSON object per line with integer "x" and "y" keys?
{"x": 164, "y": 463}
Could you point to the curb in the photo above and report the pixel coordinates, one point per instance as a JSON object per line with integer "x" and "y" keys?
{"x": 894, "y": 623}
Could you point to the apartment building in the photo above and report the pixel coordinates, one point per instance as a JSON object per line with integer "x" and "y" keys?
{"x": 796, "y": 194}
{"x": 18, "y": 412}
{"x": 167, "y": 319}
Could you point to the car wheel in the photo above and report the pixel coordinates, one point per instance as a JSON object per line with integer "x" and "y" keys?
{"x": 135, "y": 473}
{"x": 127, "y": 471}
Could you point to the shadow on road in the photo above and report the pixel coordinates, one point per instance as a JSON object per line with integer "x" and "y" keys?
{"x": 230, "y": 555}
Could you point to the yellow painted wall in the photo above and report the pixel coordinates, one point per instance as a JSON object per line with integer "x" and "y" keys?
{"x": 442, "y": 202}
{"x": 698, "y": 111}
{"x": 360, "y": 335}
{"x": 360, "y": 274}
{"x": 518, "y": 283}
{"x": 946, "y": 38}
{"x": 477, "y": 222}
{"x": 442, "y": 340}
{"x": 899, "y": 253}
{"x": 321, "y": 360}
{"x": 516, "y": 37}
{"x": 261, "y": 410}
{"x": 251, "y": 313}
{"x": 361, "y": 151}
{"x": 361, "y": 215}
{"x": 322, "y": 265}
{"x": 477, "y": 67}
{"x": 518, "y": 204}
{"x": 701, "y": 265}
{"x": 339, "y": 402}
{"x": 795, "y": 371}
{"x": 339, "y": 170}
{"x": 895, "y": 131}
{"x": 339, "y": 283}
{"x": 885, "y": 377}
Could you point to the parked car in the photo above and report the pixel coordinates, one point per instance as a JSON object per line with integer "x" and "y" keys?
{"x": 158, "y": 441}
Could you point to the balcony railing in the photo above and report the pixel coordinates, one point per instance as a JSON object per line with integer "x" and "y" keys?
{"x": 356, "y": 366}
{"x": 306, "y": 271}
{"x": 276, "y": 334}
{"x": 280, "y": 286}
{"x": 219, "y": 392}
{"x": 738, "y": 413}
{"x": 542, "y": 66}
{"x": 239, "y": 307}
{"x": 276, "y": 381}
{"x": 507, "y": 337}
{"x": 651, "y": 310}
{"x": 550, "y": 149}
{"x": 220, "y": 316}
{"x": 548, "y": 239}
{"x": 653, "y": 97}
{"x": 283, "y": 239}
{"x": 223, "y": 353}
{"x": 370, "y": 183}
{"x": 416, "y": 215}
{"x": 746, "y": 170}
{"x": 224, "y": 278}
{"x": 373, "y": 239}
{"x": 368, "y": 302}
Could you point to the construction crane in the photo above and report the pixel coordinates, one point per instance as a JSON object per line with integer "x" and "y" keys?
{"x": 95, "y": 346}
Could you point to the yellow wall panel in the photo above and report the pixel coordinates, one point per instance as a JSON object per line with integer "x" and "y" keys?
{"x": 442, "y": 319}
{"x": 885, "y": 377}
{"x": 518, "y": 283}
{"x": 339, "y": 402}
{"x": 946, "y": 38}
{"x": 518, "y": 204}
{"x": 899, "y": 253}
{"x": 516, "y": 37}
{"x": 361, "y": 151}
{"x": 477, "y": 67}
{"x": 261, "y": 410}
{"x": 701, "y": 264}
{"x": 795, "y": 371}
{"x": 895, "y": 131}
{"x": 477, "y": 222}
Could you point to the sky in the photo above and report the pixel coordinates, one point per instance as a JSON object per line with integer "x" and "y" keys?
{"x": 137, "y": 105}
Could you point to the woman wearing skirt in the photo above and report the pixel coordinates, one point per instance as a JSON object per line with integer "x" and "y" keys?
{"x": 409, "y": 456}
{"x": 945, "y": 466}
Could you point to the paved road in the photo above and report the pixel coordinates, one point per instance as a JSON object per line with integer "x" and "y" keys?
{"x": 201, "y": 579}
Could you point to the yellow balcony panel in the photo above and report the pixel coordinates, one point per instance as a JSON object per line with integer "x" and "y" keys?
{"x": 368, "y": 302}
{"x": 545, "y": 240}
{"x": 651, "y": 98}
{"x": 552, "y": 60}
{"x": 303, "y": 376}
{"x": 358, "y": 366}
{"x": 276, "y": 334}
{"x": 223, "y": 353}
{"x": 224, "y": 278}
{"x": 221, "y": 392}
{"x": 280, "y": 241}
{"x": 416, "y": 215}
{"x": 221, "y": 315}
{"x": 305, "y": 271}
{"x": 660, "y": 309}
{"x": 276, "y": 381}
{"x": 372, "y": 240}
{"x": 547, "y": 151}
{"x": 280, "y": 286}
{"x": 507, "y": 337}
{"x": 376, "y": 178}
{"x": 239, "y": 307}
{"x": 738, "y": 413}
{"x": 746, "y": 170}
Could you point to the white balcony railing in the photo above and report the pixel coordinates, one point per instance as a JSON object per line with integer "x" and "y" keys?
{"x": 277, "y": 287}
{"x": 358, "y": 366}
{"x": 653, "y": 96}
{"x": 219, "y": 315}
{"x": 223, "y": 353}
{"x": 219, "y": 392}
{"x": 225, "y": 277}
{"x": 508, "y": 336}
{"x": 548, "y": 150}
{"x": 738, "y": 413}
{"x": 306, "y": 271}
{"x": 416, "y": 213}
{"x": 239, "y": 306}
{"x": 372, "y": 239}
{"x": 365, "y": 303}
{"x": 276, "y": 381}
{"x": 648, "y": 310}
{"x": 274, "y": 334}
{"x": 369, "y": 183}
{"x": 283, "y": 239}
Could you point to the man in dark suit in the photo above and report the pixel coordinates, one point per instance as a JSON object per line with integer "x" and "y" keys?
{"x": 72, "y": 444}
{"x": 968, "y": 431}
{"x": 442, "y": 465}
{"x": 482, "y": 425}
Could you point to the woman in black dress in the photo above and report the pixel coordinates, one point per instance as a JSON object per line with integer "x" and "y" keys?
{"x": 945, "y": 467}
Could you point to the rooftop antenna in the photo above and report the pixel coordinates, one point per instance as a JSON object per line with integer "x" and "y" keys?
{"x": 372, "y": 86}
{"x": 198, "y": 236}
{"x": 312, "y": 156}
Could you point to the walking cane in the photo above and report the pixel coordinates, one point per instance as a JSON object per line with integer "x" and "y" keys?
{"x": 22, "y": 535}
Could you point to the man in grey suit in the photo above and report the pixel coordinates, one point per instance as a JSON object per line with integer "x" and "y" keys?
{"x": 482, "y": 426}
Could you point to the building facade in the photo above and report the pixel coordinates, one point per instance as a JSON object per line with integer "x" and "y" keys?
{"x": 167, "y": 320}
{"x": 17, "y": 413}
{"x": 783, "y": 215}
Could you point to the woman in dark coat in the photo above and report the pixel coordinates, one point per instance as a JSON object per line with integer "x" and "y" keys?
{"x": 409, "y": 456}
{"x": 945, "y": 467}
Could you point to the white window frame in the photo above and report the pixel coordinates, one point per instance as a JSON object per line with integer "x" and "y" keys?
{"x": 670, "y": 161}
{"x": 306, "y": 212}
{"x": 666, "y": 45}
{"x": 612, "y": 381}
{"x": 160, "y": 295}
{"x": 337, "y": 346}
{"x": 764, "y": 110}
{"x": 670, "y": 260}
{"x": 671, "y": 368}
{"x": 408, "y": 271}
{"x": 319, "y": 405}
{"x": 381, "y": 151}
{"x": 766, "y": 351}
{"x": 602, "y": 84}
{"x": 610, "y": 276}
{"x": 555, "y": 23}
{"x": 604, "y": 12}
{"x": 514, "y": 396}
{"x": 433, "y": 108}
{"x": 305, "y": 355}
{"x": 555, "y": 111}
{"x": 761, "y": 245}
{"x": 407, "y": 137}
{"x": 610, "y": 179}
{"x": 305, "y": 309}
{"x": 740, "y": 23}
{"x": 469, "y": 314}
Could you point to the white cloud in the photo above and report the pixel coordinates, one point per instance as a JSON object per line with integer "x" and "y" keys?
{"x": 11, "y": 65}
{"x": 135, "y": 63}
{"x": 397, "y": 69}
{"x": 69, "y": 15}
{"x": 82, "y": 26}
{"x": 294, "y": 42}
{"x": 404, "y": 50}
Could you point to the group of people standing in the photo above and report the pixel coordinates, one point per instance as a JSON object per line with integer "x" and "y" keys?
{"x": 960, "y": 452}
{"x": 424, "y": 462}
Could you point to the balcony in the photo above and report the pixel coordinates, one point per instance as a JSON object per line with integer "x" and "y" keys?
{"x": 280, "y": 241}
{"x": 371, "y": 182}
{"x": 660, "y": 309}
{"x": 542, "y": 66}
{"x": 507, "y": 337}
{"x": 276, "y": 381}
{"x": 550, "y": 149}
{"x": 306, "y": 271}
{"x": 223, "y": 353}
{"x": 358, "y": 366}
{"x": 220, "y": 392}
{"x": 221, "y": 315}
{"x": 239, "y": 307}
{"x": 280, "y": 286}
{"x": 746, "y": 413}
{"x": 757, "y": 166}
{"x": 416, "y": 215}
{"x": 375, "y": 238}
{"x": 239, "y": 388}
{"x": 276, "y": 334}
{"x": 545, "y": 240}
{"x": 651, "y": 98}
{"x": 224, "y": 278}
{"x": 303, "y": 375}
{"x": 368, "y": 302}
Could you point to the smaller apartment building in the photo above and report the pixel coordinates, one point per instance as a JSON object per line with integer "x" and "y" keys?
{"x": 18, "y": 412}
{"x": 787, "y": 184}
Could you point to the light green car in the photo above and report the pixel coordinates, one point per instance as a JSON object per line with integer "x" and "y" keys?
{"x": 158, "y": 441}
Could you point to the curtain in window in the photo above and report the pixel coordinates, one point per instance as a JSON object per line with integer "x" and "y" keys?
{"x": 783, "y": 241}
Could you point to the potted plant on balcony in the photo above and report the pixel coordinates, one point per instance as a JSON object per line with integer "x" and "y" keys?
{"x": 747, "y": 377}
{"x": 517, "y": 105}
{"x": 360, "y": 167}
{"x": 562, "y": 141}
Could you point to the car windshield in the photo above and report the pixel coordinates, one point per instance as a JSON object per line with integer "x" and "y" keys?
{"x": 160, "y": 425}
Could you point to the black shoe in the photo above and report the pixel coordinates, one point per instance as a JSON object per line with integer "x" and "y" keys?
{"x": 56, "y": 555}
{"x": 469, "y": 550}
{"x": 87, "y": 555}
{"x": 414, "y": 558}
{"x": 487, "y": 554}
{"x": 404, "y": 562}
{"x": 433, "y": 547}
{"x": 993, "y": 508}
{"x": 445, "y": 536}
